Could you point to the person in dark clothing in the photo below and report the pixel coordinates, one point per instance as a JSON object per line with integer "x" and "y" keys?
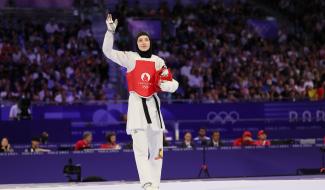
{"x": 35, "y": 146}
{"x": 215, "y": 140}
{"x": 5, "y": 146}
{"x": 202, "y": 138}
{"x": 187, "y": 143}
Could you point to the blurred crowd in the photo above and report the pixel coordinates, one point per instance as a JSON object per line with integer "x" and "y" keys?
{"x": 217, "y": 58}
{"x": 54, "y": 62}
{"x": 306, "y": 16}
{"x": 212, "y": 52}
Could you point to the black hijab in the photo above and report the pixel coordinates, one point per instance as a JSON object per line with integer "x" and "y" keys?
{"x": 143, "y": 54}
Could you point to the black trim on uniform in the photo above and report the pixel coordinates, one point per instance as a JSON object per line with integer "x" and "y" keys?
{"x": 158, "y": 109}
{"x": 145, "y": 109}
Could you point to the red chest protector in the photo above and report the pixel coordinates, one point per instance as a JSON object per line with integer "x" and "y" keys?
{"x": 142, "y": 78}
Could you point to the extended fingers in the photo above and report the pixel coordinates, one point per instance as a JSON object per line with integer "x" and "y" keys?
{"x": 109, "y": 17}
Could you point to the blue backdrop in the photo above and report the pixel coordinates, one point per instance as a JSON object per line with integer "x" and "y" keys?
{"x": 67, "y": 123}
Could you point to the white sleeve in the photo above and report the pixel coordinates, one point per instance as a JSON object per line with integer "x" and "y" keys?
{"x": 169, "y": 86}
{"x": 161, "y": 63}
{"x": 122, "y": 58}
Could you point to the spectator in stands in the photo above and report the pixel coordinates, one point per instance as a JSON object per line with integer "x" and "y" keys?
{"x": 262, "y": 139}
{"x": 320, "y": 91}
{"x": 324, "y": 139}
{"x": 187, "y": 143}
{"x": 245, "y": 140}
{"x": 5, "y": 146}
{"x": 85, "y": 142}
{"x": 36, "y": 54}
{"x": 110, "y": 142}
{"x": 209, "y": 79}
{"x": 44, "y": 137}
{"x": 51, "y": 27}
{"x": 35, "y": 146}
{"x": 312, "y": 92}
{"x": 215, "y": 140}
{"x": 202, "y": 138}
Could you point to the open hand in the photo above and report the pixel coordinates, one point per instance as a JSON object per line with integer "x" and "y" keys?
{"x": 111, "y": 25}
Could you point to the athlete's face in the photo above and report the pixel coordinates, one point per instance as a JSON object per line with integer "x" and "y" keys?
{"x": 143, "y": 43}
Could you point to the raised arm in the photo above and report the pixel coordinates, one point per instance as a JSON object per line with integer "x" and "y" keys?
{"x": 120, "y": 57}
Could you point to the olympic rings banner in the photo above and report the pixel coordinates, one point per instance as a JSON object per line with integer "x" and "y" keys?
{"x": 281, "y": 120}
{"x": 214, "y": 113}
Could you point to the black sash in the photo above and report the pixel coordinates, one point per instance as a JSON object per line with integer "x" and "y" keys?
{"x": 146, "y": 111}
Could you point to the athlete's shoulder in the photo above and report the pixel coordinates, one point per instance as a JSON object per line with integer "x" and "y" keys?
{"x": 131, "y": 53}
{"x": 158, "y": 59}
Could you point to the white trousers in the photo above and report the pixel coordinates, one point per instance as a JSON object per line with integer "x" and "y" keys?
{"x": 148, "y": 153}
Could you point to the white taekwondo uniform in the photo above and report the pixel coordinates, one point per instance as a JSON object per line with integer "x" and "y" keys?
{"x": 144, "y": 120}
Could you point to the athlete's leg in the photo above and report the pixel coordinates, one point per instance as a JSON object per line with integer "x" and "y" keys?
{"x": 141, "y": 154}
{"x": 155, "y": 144}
